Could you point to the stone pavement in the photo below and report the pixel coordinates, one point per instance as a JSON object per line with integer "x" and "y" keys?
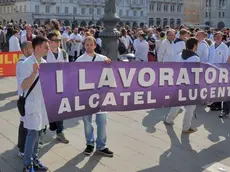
{"x": 140, "y": 140}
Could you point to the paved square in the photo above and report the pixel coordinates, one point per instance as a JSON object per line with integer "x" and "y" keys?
{"x": 139, "y": 139}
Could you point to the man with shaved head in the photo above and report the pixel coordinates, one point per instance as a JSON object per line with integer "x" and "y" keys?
{"x": 27, "y": 51}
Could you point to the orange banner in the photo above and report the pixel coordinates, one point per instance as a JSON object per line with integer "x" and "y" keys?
{"x": 8, "y": 61}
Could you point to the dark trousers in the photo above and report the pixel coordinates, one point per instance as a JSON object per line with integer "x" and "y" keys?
{"x": 22, "y": 133}
{"x": 60, "y": 127}
{"x": 226, "y": 107}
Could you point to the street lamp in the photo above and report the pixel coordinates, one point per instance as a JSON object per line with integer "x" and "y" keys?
{"x": 110, "y": 35}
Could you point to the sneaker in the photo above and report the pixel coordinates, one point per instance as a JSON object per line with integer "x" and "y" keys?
{"x": 106, "y": 152}
{"x": 89, "y": 150}
{"x": 38, "y": 166}
{"x": 61, "y": 137}
{"x": 189, "y": 131}
{"x": 28, "y": 169}
{"x": 21, "y": 155}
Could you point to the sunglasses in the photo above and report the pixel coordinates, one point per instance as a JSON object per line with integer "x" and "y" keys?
{"x": 56, "y": 40}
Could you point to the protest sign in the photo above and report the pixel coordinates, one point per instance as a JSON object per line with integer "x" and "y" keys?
{"x": 8, "y": 61}
{"x": 78, "y": 89}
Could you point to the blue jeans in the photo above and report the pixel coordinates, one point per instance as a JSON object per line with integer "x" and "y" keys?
{"x": 31, "y": 147}
{"x": 60, "y": 127}
{"x": 101, "y": 121}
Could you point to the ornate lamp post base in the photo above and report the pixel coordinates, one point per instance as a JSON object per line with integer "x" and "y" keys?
{"x": 110, "y": 35}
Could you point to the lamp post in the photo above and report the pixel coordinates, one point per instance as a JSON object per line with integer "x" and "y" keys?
{"x": 110, "y": 35}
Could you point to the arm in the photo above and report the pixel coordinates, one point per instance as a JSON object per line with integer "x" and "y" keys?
{"x": 28, "y": 81}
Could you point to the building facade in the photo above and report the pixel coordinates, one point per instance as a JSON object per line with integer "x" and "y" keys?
{"x": 79, "y": 12}
{"x": 215, "y": 13}
{"x": 192, "y": 12}
{"x": 165, "y": 12}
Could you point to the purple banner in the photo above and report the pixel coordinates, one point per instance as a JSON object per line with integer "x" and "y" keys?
{"x": 78, "y": 89}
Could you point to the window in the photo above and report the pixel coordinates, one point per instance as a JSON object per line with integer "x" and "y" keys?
{"x": 172, "y": 7}
{"x": 37, "y": 10}
{"x": 142, "y": 13}
{"x": 74, "y": 10}
{"x": 134, "y": 13}
{"x": 8, "y": 9}
{"x": 223, "y": 14}
{"x": 141, "y": 2}
{"x": 127, "y": 13}
{"x": 66, "y": 10}
{"x": 159, "y": 7}
{"x": 90, "y": 10}
{"x": 83, "y": 11}
{"x": 165, "y": 7}
{"x": 127, "y": 2}
{"x": 179, "y": 8}
{"x": 25, "y": 10}
{"x": 219, "y": 14}
{"x": 151, "y": 6}
{"x": 120, "y": 12}
{"x": 206, "y": 14}
{"x": 12, "y": 9}
{"x": 20, "y": 8}
{"x": 47, "y": 9}
{"x": 57, "y": 10}
{"x": 98, "y": 11}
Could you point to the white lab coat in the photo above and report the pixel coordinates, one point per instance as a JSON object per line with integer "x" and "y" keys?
{"x": 203, "y": 51}
{"x": 19, "y": 67}
{"x": 76, "y": 46}
{"x": 219, "y": 54}
{"x": 35, "y": 111}
{"x": 24, "y": 37}
{"x": 51, "y": 58}
{"x": 14, "y": 44}
{"x": 179, "y": 46}
{"x": 166, "y": 52}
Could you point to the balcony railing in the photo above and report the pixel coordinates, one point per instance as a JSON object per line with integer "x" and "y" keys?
{"x": 7, "y": 2}
{"x": 51, "y": 2}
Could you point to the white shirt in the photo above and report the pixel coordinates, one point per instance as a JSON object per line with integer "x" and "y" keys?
{"x": 141, "y": 50}
{"x": 14, "y": 44}
{"x": 203, "y": 51}
{"x": 87, "y": 58}
{"x": 76, "y": 46}
{"x": 166, "y": 52}
{"x": 65, "y": 35}
{"x": 35, "y": 111}
{"x": 51, "y": 58}
{"x": 219, "y": 54}
{"x": 179, "y": 46}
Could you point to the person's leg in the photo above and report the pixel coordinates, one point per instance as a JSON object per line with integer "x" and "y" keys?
{"x": 31, "y": 139}
{"x": 189, "y": 113}
{"x": 60, "y": 135}
{"x": 38, "y": 166}
{"x": 225, "y": 109}
{"x": 172, "y": 115}
{"x": 101, "y": 121}
{"x": 22, "y": 137}
{"x": 89, "y": 135}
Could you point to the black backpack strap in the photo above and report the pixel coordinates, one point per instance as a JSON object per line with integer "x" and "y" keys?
{"x": 94, "y": 57}
{"x": 32, "y": 87}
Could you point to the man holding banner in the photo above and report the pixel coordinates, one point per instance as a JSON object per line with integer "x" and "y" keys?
{"x": 101, "y": 117}
{"x": 35, "y": 111}
{"x": 187, "y": 55}
{"x": 55, "y": 55}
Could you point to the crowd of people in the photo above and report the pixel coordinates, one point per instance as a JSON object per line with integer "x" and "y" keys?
{"x": 51, "y": 43}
